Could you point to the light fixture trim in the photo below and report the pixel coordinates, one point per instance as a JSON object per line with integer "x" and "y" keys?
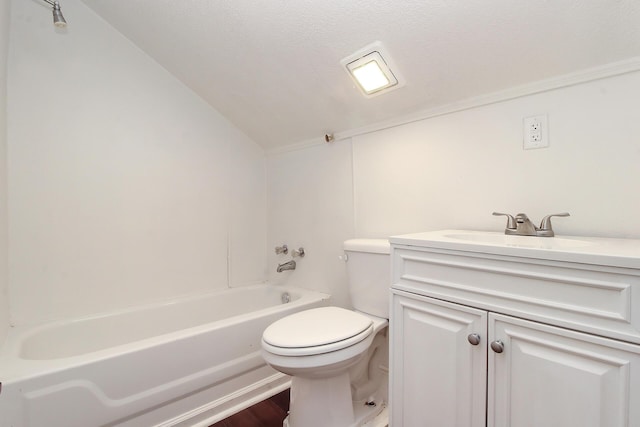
{"x": 383, "y": 76}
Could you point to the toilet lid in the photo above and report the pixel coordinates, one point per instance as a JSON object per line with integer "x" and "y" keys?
{"x": 317, "y": 327}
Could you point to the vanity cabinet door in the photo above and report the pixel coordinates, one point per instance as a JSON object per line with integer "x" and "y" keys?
{"x": 438, "y": 363}
{"x": 549, "y": 376}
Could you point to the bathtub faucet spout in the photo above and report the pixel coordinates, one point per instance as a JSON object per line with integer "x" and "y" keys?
{"x": 291, "y": 265}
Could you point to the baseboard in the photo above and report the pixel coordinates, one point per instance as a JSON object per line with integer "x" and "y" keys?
{"x": 220, "y": 409}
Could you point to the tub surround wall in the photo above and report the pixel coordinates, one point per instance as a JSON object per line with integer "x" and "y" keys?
{"x": 248, "y": 217}
{"x": 310, "y": 204}
{"x": 4, "y": 52}
{"x": 453, "y": 171}
{"x": 124, "y": 186}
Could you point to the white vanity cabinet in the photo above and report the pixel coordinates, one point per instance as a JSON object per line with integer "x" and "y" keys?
{"x": 438, "y": 378}
{"x": 549, "y": 376}
{"x": 503, "y": 337}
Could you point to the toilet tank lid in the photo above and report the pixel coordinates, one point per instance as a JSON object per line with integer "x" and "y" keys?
{"x": 374, "y": 246}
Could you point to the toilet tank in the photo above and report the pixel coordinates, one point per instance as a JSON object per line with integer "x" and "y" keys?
{"x": 369, "y": 274}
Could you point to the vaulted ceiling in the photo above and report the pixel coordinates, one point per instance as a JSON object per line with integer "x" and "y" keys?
{"x": 273, "y": 67}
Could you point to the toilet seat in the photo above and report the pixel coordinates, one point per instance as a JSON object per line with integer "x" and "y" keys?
{"x": 316, "y": 331}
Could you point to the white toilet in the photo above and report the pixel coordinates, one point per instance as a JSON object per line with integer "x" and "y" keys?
{"x": 332, "y": 353}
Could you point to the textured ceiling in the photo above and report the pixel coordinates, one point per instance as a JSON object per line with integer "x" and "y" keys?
{"x": 273, "y": 67}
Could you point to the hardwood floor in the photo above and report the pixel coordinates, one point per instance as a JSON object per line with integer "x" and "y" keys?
{"x": 268, "y": 413}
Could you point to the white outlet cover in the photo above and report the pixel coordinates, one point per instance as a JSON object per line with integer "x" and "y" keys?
{"x": 535, "y": 132}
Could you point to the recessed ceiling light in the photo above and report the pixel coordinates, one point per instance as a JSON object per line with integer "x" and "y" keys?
{"x": 370, "y": 76}
{"x": 372, "y": 71}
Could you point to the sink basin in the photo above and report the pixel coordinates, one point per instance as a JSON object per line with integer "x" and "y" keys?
{"x": 558, "y": 243}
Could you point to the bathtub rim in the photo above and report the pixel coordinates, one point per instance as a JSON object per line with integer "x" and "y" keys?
{"x": 14, "y": 368}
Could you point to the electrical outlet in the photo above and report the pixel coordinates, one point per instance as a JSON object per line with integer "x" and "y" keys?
{"x": 536, "y": 133}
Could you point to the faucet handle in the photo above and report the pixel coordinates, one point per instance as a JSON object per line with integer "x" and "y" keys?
{"x": 511, "y": 221}
{"x": 282, "y": 249}
{"x": 545, "y": 225}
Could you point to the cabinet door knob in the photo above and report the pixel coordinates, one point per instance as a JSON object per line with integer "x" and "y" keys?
{"x": 497, "y": 346}
{"x": 474, "y": 339}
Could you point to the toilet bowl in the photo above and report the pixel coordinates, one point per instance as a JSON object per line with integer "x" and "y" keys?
{"x": 327, "y": 350}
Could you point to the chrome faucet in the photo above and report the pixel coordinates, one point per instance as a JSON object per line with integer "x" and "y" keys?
{"x": 524, "y": 226}
{"x": 289, "y": 265}
{"x": 521, "y": 225}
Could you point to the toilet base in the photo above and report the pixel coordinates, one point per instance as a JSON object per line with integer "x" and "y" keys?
{"x": 321, "y": 402}
{"x": 327, "y": 402}
{"x": 364, "y": 416}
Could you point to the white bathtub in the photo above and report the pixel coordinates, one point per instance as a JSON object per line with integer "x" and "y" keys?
{"x": 190, "y": 362}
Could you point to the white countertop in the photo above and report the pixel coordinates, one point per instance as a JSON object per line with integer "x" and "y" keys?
{"x": 587, "y": 250}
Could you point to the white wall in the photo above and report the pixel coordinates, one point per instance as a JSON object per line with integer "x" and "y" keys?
{"x": 4, "y": 50}
{"x": 124, "y": 186}
{"x": 453, "y": 171}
